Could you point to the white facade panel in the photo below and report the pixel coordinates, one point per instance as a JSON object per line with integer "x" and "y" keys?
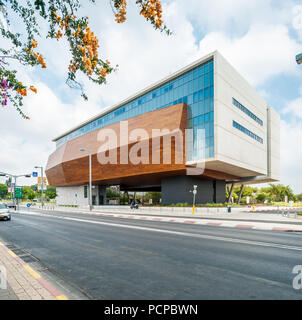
{"x": 71, "y": 196}
{"x": 232, "y": 145}
{"x": 274, "y": 143}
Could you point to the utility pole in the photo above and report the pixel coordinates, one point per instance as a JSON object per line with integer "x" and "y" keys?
{"x": 42, "y": 185}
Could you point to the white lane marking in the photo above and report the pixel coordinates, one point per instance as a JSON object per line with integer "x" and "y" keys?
{"x": 186, "y": 234}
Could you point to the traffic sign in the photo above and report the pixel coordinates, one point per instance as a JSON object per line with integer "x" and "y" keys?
{"x": 18, "y": 192}
{"x": 28, "y": 205}
{"x": 35, "y": 174}
{"x": 40, "y": 180}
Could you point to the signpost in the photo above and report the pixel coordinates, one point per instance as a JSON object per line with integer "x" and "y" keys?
{"x": 194, "y": 197}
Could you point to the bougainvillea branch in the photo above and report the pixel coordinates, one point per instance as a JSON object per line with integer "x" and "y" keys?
{"x": 62, "y": 20}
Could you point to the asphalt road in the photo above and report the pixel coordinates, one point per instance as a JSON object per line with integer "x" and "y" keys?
{"x": 111, "y": 258}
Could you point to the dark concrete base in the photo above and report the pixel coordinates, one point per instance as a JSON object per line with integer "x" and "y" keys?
{"x": 177, "y": 190}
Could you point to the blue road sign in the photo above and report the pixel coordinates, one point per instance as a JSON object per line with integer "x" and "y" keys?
{"x": 28, "y": 205}
{"x": 35, "y": 174}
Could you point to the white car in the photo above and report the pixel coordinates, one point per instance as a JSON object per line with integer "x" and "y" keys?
{"x": 4, "y": 212}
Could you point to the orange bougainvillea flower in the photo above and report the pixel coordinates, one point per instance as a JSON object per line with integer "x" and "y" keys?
{"x": 34, "y": 43}
{"x": 32, "y": 88}
{"x": 22, "y": 91}
{"x": 59, "y": 34}
{"x": 120, "y": 17}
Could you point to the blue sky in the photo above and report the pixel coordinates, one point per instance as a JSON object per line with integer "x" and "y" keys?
{"x": 259, "y": 38}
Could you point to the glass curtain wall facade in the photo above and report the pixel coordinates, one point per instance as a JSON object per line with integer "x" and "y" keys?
{"x": 195, "y": 88}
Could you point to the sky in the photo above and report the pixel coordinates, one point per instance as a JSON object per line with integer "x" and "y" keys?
{"x": 260, "y": 38}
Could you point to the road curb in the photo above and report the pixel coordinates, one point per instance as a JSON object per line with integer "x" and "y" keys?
{"x": 35, "y": 275}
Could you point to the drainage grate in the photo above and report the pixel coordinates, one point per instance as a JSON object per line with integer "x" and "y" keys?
{"x": 23, "y": 254}
{"x": 29, "y": 258}
{"x": 18, "y": 252}
{"x": 11, "y": 246}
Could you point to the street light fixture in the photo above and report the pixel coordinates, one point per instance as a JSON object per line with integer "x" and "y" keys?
{"x": 90, "y": 185}
{"x": 42, "y": 184}
{"x": 299, "y": 58}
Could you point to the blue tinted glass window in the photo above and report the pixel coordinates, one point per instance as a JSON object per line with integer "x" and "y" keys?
{"x": 200, "y": 94}
{"x": 195, "y": 73}
{"x": 193, "y": 88}
{"x": 247, "y": 111}
{"x": 207, "y": 67}
{"x": 207, "y": 117}
{"x": 206, "y": 92}
{"x": 247, "y": 132}
{"x": 196, "y": 84}
{"x": 207, "y": 80}
{"x": 201, "y": 119}
{"x": 211, "y": 65}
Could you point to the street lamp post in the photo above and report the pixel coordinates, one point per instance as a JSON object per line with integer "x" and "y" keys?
{"x": 194, "y": 197}
{"x": 42, "y": 185}
{"x": 299, "y": 58}
{"x": 90, "y": 184}
{"x": 15, "y": 182}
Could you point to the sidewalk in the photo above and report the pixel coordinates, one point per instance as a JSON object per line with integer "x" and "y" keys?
{"x": 241, "y": 220}
{"x": 23, "y": 282}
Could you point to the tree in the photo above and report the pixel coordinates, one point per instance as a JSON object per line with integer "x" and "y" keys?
{"x": 61, "y": 20}
{"x": 261, "y": 197}
{"x": 3, "y": 191}
{"x": 112, "y": 194}
{"x": 278, "y": 192}
{"x": 247, "y": 192}
{"x": 299, "y": 197}
{"x": 51, "y": 192}
{"x": 28, "y": 193}
{"x": 155, "y": 196}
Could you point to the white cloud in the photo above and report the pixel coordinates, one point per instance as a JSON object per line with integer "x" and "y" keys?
{"x": 264, "y": 51}
{"x": 291, "y": 154}
{"x": 294, "y": 107}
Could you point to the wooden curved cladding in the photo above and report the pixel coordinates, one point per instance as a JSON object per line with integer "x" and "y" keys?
{"x": 69, "y": 166}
